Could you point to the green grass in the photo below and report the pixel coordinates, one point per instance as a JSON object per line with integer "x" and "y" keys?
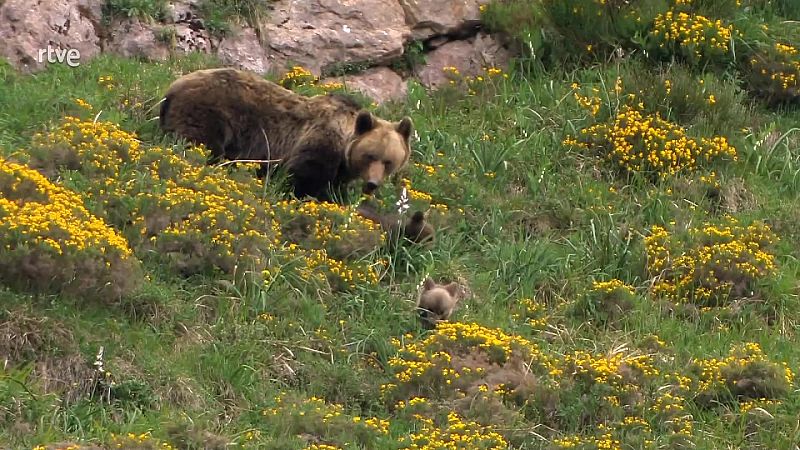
{"x": 194, "y": 358}
{"x": 219, "y": 14}
{"x": 143, "y": 9}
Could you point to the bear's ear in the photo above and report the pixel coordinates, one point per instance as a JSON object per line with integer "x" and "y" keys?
{"x": 452, "y": 288}
{"x": 405, "y": 127}
{"x": 364, "y": 122}
{"x": 429, "y": 284}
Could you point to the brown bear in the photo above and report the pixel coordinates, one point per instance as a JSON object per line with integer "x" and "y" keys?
{"x": 436, "y": 302}
{"x": 323, "y": 141}
{"x": 415, "y": 229}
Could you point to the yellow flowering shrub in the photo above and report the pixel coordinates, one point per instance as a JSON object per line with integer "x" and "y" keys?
{"x": 639, "y": 142}
{"x": 296, "y": 77}
{"x": 338, "y": 429}
{"x": 707, "y": 102}
{"x": 532, "y": 313}
{"x": 616, "y": 370}
{"x": 456, "y": 433}
{"x": 571, "y": 28}
{"x": 97, "y": 149}
{"x": 468, "y": 386}
{"x": 473, "y": 370}
{"x": 692, "y": 36}
{"x": 435, "y": 363}
{"x": 302, "y": 81}
{"x": 605, "y": 302}
{"x": 198, "y": 218}
{"x": 50, "y": 242}
{"x": 746, "y": 373}
{"x": 315, "y": 416}
{"x": 713, "y": 264}
{"x": 487, "y": 78}
{"x": 327, "y": 235}
{"x": 604, "y": 441}
{"x": 774, "y": 73}
{"x": 142, "y": 441}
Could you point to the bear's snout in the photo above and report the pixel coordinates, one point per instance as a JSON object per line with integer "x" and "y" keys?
{"x": 370, "y": 186}
{"x": 373, "y": 177}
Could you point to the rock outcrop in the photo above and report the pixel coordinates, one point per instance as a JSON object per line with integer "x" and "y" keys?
{"x": 324, "y": 36}
{"x": 379, "y": 83}
{"x": 469, "y": 56}
{"x": 28, "y": 26}
{"x": 431, "y": 18}
{"x": 321, "y": 34}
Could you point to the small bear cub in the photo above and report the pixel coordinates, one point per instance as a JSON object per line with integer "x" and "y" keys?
{"x": 415, "y": 229}
{"x": 436, "y": 302}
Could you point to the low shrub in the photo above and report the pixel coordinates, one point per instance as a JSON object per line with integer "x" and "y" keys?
{"x": 51, "y": 243}
{"x": 710, "y": 265}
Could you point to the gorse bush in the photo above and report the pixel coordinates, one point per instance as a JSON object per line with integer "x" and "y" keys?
{"x": 497, "y": 379}
{"x": 697, "y": 32}
{"x": 553, "y": 31}
{"x": 435, "y": 364}
{"x": 774, "y": 73}
{"x": 711, "y": 265}
{"x": 606, "y": 302}
{"x": 315, "y": 416}
{"x": 694, "y": 37}
{"x": 51, "y": 243}
{"x": 196, "y": 218}
{"x": 703, "y": 103}
{"x": 746, "y": 373}
{"x": 642, "y": 143}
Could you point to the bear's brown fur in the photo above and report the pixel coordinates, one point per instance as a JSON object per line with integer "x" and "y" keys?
{"x": 415, "y": 229}
{"x": 436, "y": 302}
{"x": 323, "y": 141}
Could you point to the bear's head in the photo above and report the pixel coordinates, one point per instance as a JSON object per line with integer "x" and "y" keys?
{"x": 436, "y": 302}
{"x": 379, "y": 148}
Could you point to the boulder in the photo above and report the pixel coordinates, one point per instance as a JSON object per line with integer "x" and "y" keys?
{"x": 469, "y": 56}
{"x": 243, "y": 50}
{"x": 430, "y": 18}
{"x": 380, "y": 84}
{"x": 181, "y": 11}
{"x": 133, "y": 38}
{"x": 28, "y": 26}
{"x": 321, "y": 34}
{"x": 190, "y": 38}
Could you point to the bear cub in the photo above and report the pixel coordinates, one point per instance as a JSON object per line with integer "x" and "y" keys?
{"x": 324, "y": 141}
{"x": 436, "y": 302}
{"x": 415, "y": 229}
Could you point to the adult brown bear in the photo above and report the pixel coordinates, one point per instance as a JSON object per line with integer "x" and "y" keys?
{"x": 324, "y": 141}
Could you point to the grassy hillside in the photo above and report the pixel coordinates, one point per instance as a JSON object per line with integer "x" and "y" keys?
{"x": 622, "y": 206}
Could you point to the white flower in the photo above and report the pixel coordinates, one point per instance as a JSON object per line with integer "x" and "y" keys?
{"x": 402, "y": 204}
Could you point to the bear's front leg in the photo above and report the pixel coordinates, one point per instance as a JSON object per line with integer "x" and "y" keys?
{"x": 313, "y": 169}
